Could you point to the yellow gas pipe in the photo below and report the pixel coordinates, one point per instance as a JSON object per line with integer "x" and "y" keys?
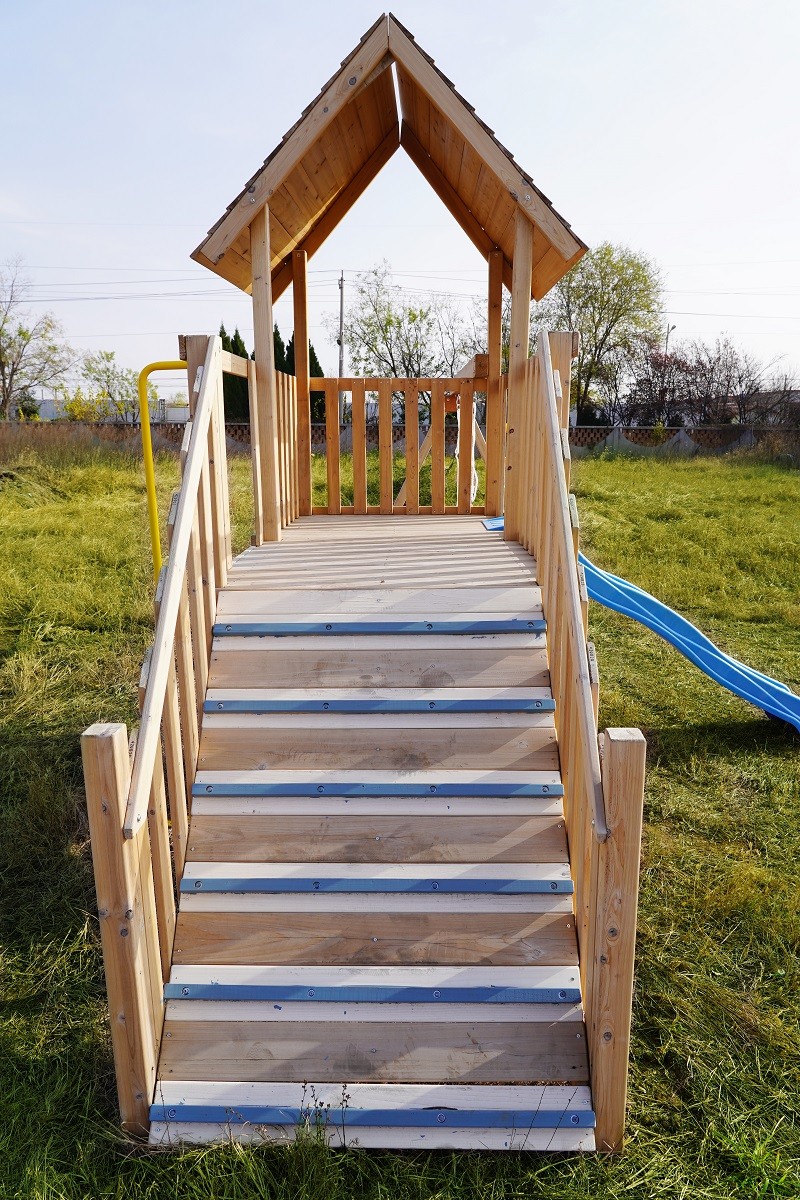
{"x": 147, "y": 454}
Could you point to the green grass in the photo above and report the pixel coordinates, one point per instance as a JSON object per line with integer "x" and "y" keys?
{"x": 320, "y": 481}
{"x": 715, "y": 1079}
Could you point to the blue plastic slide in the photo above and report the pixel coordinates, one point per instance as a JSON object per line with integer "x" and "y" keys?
{"x": 765, "y": 693}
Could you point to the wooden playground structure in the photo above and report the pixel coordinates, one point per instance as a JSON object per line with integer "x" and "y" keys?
{"x": 367, "y": 866}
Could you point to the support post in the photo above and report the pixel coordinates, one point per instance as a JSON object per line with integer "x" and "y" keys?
{"x": 302, "y": 372}
{"x": 265, "y": 374}
{"x": 123, "y": 876}
{"x": 517, "y": 369}
{"x": 495, "y": 425}
{"x": 612, "y": 931}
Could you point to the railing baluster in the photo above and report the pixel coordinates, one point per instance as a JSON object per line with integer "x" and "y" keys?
{"x": 359, "y": 428}
{"x": 465, "y": 451}
{"x": 385, "y": 446}
{"x": 332, "y": 451}
{"x": 255, "y": 454}
{"x": 437, "y": 446}
{"x": 411, "y": 409}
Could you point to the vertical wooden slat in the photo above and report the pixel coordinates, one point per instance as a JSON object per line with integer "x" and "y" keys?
{"x": 332, "y": 449}
{"x": 188, "y": 699}
{"x": 128, "y": 930}
{"x": 465, "y": 451}
{"x": 411, "y": 409}
{"x": 437, "y": 448}
{"x": 176, "y": 781}
{"x": 293, "y": 446}
{"x": 163, "y": 882}
{"x": 255, "y": 454}
{"x": 206, "y": 531}
{"x": 518, "y": 364}
{"x": 359, "y": 429}
{"x": 613, "y": 922}
{"x": 218, "y": 469}
{"x": 385, "y": 446}
{"x": 494, "y": 417}
{"x": 283, "y": 437}
{"x": 201, "y": 631}
{"x": 563, "y": 349}
{"x": 301, "y": 372}
{"x": 265, "y": 373}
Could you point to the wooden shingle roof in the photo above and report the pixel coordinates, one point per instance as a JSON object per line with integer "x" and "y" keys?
{"x": 347, "y": 135}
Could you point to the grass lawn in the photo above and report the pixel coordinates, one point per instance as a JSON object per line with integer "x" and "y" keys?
{"x": 715, "y": 1081}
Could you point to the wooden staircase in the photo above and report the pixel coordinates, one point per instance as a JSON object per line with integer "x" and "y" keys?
{"x": 376, "y": 901}
{"x": 368, "y": 768}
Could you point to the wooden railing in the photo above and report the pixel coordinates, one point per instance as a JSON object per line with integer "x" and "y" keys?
{"x": 139, "y": 808}
{"x": 375, "y": 487}
{"x": 603, "y": 778}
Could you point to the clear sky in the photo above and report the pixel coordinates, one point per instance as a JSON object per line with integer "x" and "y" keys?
{"x": 669, "y": 125}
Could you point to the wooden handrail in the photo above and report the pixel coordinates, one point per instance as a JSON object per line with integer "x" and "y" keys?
{"x": 163, "y": 647}
{"x": 570, "y": 597}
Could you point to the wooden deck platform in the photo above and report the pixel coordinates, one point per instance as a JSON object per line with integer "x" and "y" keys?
{"x": 376, "y": 922}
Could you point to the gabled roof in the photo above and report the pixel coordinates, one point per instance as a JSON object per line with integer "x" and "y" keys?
{"x": 347, "y": 135}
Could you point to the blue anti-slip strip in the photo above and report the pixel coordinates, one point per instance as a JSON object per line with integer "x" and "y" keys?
{"x": 366, "y": 994}
{"x": 494, "y": 524}
{"x": 502, "y": 887}
{"x": 425, "y": 1118}
{"x": 379, "y": 706}
{"x": 332, "y": 628}
{"x": 505, "y": 791}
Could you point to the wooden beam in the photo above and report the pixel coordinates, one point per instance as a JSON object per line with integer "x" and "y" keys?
{"x": 529, "y": 202}
{"x": 450, "y": 197}
{"x": 517, "y": 369}
{"x": 613, "y": 931}
{"x": 234, "y": 364}
{"x": 335, "y": 212}
{"x": 265, "y": 375}
{"x": 495, "y": 425}
{"x": 302, "y": 373}
{"x": 356, "y": 73}
{"x": 476, "y": 368}
{"x": 550, "y": 268}
{"x": 123, "y": 878}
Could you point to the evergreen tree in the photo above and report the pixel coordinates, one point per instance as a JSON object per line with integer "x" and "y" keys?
{"x": 235, "y": 392}
{"x": 315, "y": 372}
{"x": 280, "y": 351}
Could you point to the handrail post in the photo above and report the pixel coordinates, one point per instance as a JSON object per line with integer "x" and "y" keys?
{"x": 612, "y": 931}
{"x": 126, "y": 907}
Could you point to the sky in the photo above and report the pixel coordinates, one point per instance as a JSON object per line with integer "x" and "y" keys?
{"x": 670, "y": 126}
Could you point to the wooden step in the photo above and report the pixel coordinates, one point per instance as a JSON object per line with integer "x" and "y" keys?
{"x": 509, "y": 601}
{"x": 390, "y": 837}
{"x": 333, "y": 937}
{"x": 395, "y": 741}
{"x": 555, "y": 1118}
{"x": 430, "y": 662}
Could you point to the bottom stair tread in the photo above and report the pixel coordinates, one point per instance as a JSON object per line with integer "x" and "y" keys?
{"x": 438, "y": 1116}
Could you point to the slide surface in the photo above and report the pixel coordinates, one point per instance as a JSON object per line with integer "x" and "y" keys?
{"x": 765, "y": 693}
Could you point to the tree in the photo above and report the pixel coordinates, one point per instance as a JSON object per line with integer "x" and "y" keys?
{"x": 315, "y": 372}
{"x": 118, "y": 386}
{"x": 280, "y": 350}
{"x": 387, "y": 333}
{"x": 612, "y": 297}
{"x": 32, "y": 353}
{"x": 235, "y": 393}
